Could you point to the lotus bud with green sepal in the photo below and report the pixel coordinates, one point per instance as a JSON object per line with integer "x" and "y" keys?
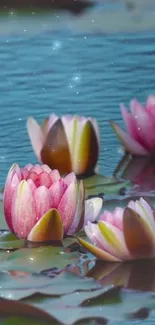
{"x": 39, "y": 205}
{"x": 124, "y": 234}
{"x": 69, "y": 144}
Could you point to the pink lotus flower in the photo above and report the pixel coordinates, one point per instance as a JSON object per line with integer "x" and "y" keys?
{"x": 40, "y": 205}
{"x": 69, "y": 143}
{"x": 140, "y": 123}
{"x": 124, "y": 234}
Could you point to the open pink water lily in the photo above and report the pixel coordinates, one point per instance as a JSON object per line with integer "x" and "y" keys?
{"x": 140, "y": 124}
{"x": 40, "y": 205}
{"x": 69, "y": 143}
{"x": 124, "y": 234}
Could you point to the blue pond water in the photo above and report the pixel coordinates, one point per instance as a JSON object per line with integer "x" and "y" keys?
{"x": 85, "y": 65}
{"x": 68, "y": 70}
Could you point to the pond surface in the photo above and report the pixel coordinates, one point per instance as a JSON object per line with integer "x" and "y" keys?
{"x": 87, "y": 64}
{"x": 66, "y": 64}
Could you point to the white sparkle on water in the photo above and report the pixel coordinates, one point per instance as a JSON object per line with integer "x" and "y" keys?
{"x": 57, "y": 45}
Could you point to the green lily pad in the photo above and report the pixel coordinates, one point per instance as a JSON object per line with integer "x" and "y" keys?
{"x": 97, "y": 184}
{"x": 69, "y": 241}
{"x": 12, "y": 287}
{"x": 4, "y": 255}
{"x": 98, "y": 304}
{"x": 10, "y": 241}
{"x": 38, "y": 259}
{"x": 26, "y": 320}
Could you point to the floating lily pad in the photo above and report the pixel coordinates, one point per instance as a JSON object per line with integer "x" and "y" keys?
{"x": 115, "y": 305}
{"x": 26, "y": 320}
{"x": 69, "y": 241}
{"x": 99, "y": 184}
{"x": 4, "y": 255}
{"x": 20, "y": 287}
{"x": 38, "y": 259}
{"x": 10, "y": 241}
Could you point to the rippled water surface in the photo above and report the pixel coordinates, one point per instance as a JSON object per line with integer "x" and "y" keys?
{"x": 88, "y": 65}
{"x": 65, "y": 64}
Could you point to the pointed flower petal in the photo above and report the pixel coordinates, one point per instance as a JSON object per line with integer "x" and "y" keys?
{"x": 130, "y": 144}
{"x": 67, "y": 206}
{"x": 144, "y": 122}
{"x": 12, "y": 181}
{"x": 92, "y": 233}
{"x": 99, "y": 253}
{"x": 23, "y": 210}
{"x": 106, "y": 239}
{"x": 83, "y": 139}
{"x": 114, "y": 239}
{"x": 48, "y": 123}
{"x": 78, "y": 220}
{"x": 70, "y": 178}
{"x": 145, "y": 212}
{"x": 36, "y": 136}
{"x": 46, "y": 168}
{"x": 150, "y": 105}
{"x": 57, "y": 190}
{"x": 96, "y": 128}
{"x": 130, "y": 123}
{"x": 42, "y": 201}
{"x": 138, "y": 236}
{"x": 36, "y": 169}
{"x": 48, "y": 228}
{"x": 56, "y": 146}
{"x": 115, "y": 217}
{"x": 87, "y": 149}
{"x": 92, "y": 209}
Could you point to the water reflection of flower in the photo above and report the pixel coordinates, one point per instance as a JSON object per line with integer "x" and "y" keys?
{"x": 137, "y": 275}
{"x": 139, "y": 170}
